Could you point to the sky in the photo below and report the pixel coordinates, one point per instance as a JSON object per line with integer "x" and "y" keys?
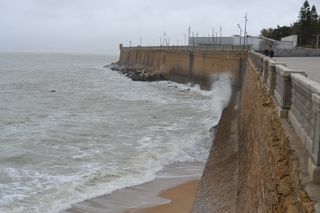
{"x": 100, "y": 25}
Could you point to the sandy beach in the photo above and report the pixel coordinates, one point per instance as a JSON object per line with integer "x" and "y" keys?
{"x": 172, "y": 191}
{"x": 181, "y": 198}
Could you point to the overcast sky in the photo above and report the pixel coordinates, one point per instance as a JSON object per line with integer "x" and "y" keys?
{"x": 100, "y": 25}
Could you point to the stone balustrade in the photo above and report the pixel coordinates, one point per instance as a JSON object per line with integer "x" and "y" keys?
{"x": 271, "y": 75}
{"x": 298, "y": 100}
{"x": 304, "y": 117}
{"x": 265, "y": 68}
{"x": 282, "y": 91}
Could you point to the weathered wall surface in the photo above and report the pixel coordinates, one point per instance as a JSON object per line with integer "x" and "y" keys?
{"x": 217, "y": 190}
{"x": 268, "y": 170}
{"x": 176, "y": 64}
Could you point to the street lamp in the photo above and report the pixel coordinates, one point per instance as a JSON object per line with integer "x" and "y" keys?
{"x": 213, "y": 35}
{"x": 240, "y": 32}
{"x": 245, "y": 29}
{"x": 164, "y": 43}
{"x": 189, "y": 34}
{"x": 220, "y": 34}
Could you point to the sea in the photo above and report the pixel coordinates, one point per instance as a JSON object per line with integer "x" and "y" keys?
{"x": 72, "y": 129}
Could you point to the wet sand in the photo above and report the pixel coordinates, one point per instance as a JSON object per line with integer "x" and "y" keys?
{"x": 181, "y": 198}
{"x": 172, "y": 182}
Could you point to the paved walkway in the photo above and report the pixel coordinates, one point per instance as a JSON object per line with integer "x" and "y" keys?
{"x": 311, "y": 65}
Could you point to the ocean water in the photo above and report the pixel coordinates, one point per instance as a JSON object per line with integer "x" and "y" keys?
{"x": 98, "y": 132}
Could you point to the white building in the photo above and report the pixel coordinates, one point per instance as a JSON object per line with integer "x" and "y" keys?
{"x": 258, "y": 43}
{"x": 293, "y": 39}
{"x": 234, "y": 40}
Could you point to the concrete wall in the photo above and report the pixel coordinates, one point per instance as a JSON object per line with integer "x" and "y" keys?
{"x": 210, "y": 40}
{"x": 296, "y": 52}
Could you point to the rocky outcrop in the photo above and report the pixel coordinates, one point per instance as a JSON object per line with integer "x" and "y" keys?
{"x": 139, "y": 73}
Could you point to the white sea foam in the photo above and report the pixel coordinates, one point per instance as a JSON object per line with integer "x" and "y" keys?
{"x": 98, "y": 133}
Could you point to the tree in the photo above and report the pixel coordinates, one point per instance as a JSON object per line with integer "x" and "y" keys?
{"x": 308, "y": 22}
{"x": 277, "y": 33}
{"x": 306, "y": 27}
{"x": 314, "y": 15}
{"x": 305, "y": 13}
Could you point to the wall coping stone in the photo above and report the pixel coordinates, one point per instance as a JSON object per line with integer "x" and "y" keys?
{"x": 312, "y": 85}
{"x": 267, "y": 58}
{"x": 274, "y": 63}
{"x": 316, "y": 98}
{"x": 285, "y": 71}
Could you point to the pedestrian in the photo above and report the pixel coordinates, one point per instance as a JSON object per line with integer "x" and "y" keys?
{"x": 271, "y": 53}
{"x": 266, "y": 52}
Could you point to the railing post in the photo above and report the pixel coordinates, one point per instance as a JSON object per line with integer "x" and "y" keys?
{"x": 283, "y": 89}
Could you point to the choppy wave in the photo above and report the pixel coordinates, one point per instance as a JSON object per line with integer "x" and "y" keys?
{"x": 98, "y": 133}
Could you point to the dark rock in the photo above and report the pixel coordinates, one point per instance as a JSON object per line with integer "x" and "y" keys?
{"x": 213, "y": 129}
{"x": 137, "y": 74}
{"x": 52, "y": 91}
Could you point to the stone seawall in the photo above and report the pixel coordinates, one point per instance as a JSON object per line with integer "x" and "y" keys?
{"x": 182, "y": 65}
{"x": 253, "y": 165}
{"x": 268, "y": 168}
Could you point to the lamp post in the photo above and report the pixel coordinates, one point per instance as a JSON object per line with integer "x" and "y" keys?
{"x": 245, "y": 29}
{"x": 192, "y": 38}
{"x": 213, "y": 35}
{"x": 240, "y": 32}
{"x": 189, "y": 34}
{"x": 220, "y": 34}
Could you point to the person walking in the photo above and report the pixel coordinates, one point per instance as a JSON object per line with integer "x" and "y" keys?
{"x": 271, "y": 53}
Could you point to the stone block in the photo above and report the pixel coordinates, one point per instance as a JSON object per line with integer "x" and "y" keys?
{"x": 284, "y": 85}
{"x": 271, "y": 75}
{"x": 316, "y": 127}
{"x": 297, "y": 126}
{"x": 265, "y": 70}
{"x": 314, "y": 171}
{"x": 282, "y": 113}
{"x": 313, "y": 191}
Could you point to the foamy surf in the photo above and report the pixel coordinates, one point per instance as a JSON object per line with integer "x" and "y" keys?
{"x": 97, "y": 133}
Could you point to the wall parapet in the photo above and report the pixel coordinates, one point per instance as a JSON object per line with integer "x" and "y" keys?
{"x": 298, "y": 100}
{"x": 217, "y": 47}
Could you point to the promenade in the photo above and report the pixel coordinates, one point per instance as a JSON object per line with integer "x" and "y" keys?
{"x": 311, "y": 65}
